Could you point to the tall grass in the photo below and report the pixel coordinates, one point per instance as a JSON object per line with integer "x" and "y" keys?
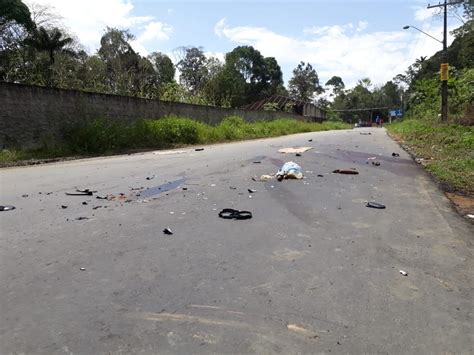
{"x": 105, "y": 136}
{"x": 448, "y": 149}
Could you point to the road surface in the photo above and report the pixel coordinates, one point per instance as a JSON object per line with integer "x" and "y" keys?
{"x": 314, "y": 270}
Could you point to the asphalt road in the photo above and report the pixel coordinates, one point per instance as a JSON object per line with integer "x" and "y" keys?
{"x": 314, "y": 270}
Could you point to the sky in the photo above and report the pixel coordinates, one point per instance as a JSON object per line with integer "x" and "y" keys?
{"x": 352, "y": 39}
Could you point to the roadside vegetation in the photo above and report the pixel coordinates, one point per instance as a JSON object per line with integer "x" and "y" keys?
{"x": 105, "y": 136}
{"x": 447, "y": 148}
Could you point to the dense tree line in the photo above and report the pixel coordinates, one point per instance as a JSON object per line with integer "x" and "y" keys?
{"x": 34, "y": 49}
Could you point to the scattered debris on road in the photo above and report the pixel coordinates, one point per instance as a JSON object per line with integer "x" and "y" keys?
{"x": 376, "y": 163}
{"x": 375, "y": 205}
{"x": 167, "y": 231}
{"x": 395, "y": 154}
{"x": 257, "y": 162}
{"x": 102, "y": 197}
{"x": 294, "y": 150}
{"x": 346, "y": 171}
{"x": 251, "y": 191}
{"x": 310, "y": 140}
{"x": 80, "y": 193}
{"x": 25, "y": 195}
{"x": 298, "y": 155}
{"x": 230, "y": 213}
{"x": 150, "y": 177}
{"x": 7, "y": 208}
{"x": 289, "y": 170}
{"x": 365, "y": 133}
{"x": 81, "y": 218}
{"x": 198, "y": 149}
{"x": 63, "y": 207}
{"x": 470, "y": 215}
{"x": 404, "y": 273}
{"x": 84, "y": 203}
{"x": 320, "y": 175}
{"x": 82, "y": 269}
{"x": 266, "y": 177}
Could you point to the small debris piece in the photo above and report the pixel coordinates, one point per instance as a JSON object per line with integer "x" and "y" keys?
{"x": 251, "y": 191}
{"x": 294, "y": 150}
{"x": 376, "y": 163}
{"x": 150, "y": 177}
{"x": 96, "y": 207}
{"x": 84, "y": 203}
{"x": 230, "y": 213}
{"x": 298, "y": 155}
{"x": 63, "y": 207}
{"x": 25, "y": 195}
{"x": 81, "y": 218}
{"x": 85, "y": 192}
{"x": 404, "y": 273}
{"x": 395, "y": 154}
{"x": 346, "y": 171}
{"x": 199, "y": 149}
{"x": 319, "y": 175}
{"x": 232, "y": 188}
{"x": 365, "y": 133}
{"x": 184, "y": 188}
{"x": 167, "y": 231}
{"x": 257, "y": 162}
{"x": 102, "y": 197}
{"x": 289, "y": 170}
{"x": 470, "y": 215}
{"x": 310, "y": 140}
{"x": 82, "y": 269}
{"x": 7, "y": 208}
{"x": 212, "y": 185}
{"x": 266, "y": 177}
{"x": 375, "y": 205}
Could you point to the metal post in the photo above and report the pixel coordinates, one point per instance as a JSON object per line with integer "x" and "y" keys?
{"x": 444, "y": 83}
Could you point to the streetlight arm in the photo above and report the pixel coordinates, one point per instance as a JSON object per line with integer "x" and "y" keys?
{"x": 416, "y": 28}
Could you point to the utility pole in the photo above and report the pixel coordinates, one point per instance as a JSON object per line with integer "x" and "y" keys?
{"x": 444, "y": 66}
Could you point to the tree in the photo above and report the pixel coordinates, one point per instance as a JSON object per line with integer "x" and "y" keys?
{"x": 163, "y": 66}
{"x": 121, "y": 61}
{"x": 15, "y": 11}
{"x": 52, "y": 42}
{"x": 337, "y": 85}
{"x": 193, "y": 70}
{"x": 304, "y": 83}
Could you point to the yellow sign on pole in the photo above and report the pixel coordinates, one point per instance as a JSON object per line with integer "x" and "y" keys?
{"x": 444, "y": 71}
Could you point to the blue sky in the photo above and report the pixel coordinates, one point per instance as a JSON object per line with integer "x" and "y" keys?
{"x": 352, "y": 39}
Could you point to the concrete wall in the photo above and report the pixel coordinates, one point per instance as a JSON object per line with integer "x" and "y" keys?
{"x": 30, "y": 115}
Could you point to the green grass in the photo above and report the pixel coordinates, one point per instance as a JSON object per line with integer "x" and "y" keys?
{"x": 104, "y": 136}
{"x": 450, "y": 145}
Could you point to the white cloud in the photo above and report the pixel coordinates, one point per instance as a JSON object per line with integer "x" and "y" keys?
{"x": 422, "y": 13}
{"x": 89, "y": 18}
{"x": 170, "y": 11}
{"x": 345, "y": 50}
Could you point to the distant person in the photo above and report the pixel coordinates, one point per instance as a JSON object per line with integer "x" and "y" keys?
{"x": 377, "y": 120}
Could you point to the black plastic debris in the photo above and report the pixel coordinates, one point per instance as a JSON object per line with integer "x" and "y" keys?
{"x": 232, "y": 188}
{"x": 150, "y": 177}
{"x": 376, "y": 163}
{"x": 346, "y": 171}
{"x": 97, "y": 207}
{"x": 101, "y": 197}
{"x": 7, "y": 208}
{"x": 167, "y": 231}
{"x": 25, "y": 195}
{"x": 63, "y": 207}
{"x": 319, "y": 175}
{"x": 251, "y": 191}
{"x": 395, "y": 154}
{"x": 81, "y": 193}
{"x": 184, "y": 188}
{"x": 298, "y": 154}
{"x": 257, "y": 162}
{"x": 198, "y": 149}
{"x": 310, "y": 140}
{"x": 365, "y": 133}
{"x": 84, "y": 203}
{"x": 375, "y": 205}
{"x": 81, "y": 218}
{"x": 230, "y": 213}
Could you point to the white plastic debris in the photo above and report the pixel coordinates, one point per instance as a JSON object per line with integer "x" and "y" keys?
{"x": 404, "y": 273}
{"x": 290, "y": 170}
